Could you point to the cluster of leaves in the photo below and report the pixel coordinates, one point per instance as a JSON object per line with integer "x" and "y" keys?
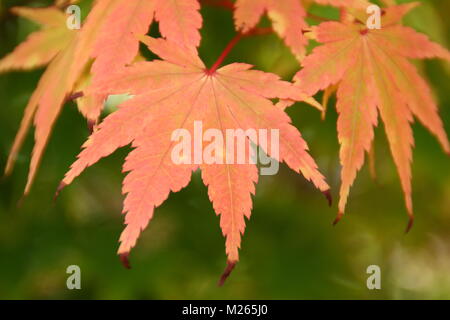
{"x": 368, "y": 68}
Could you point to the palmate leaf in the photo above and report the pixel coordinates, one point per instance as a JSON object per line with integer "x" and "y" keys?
{"x": 41, "y": 46}
{"x": 116, "y": 44}
{"x": 373, "y": 75}
{"x": 173, "y": 93}
{"x": 287, "y": 16}
{"x": 357, "y": 4}
{"x": 108, "y": 36}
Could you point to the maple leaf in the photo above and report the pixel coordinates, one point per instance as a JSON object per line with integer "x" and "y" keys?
{"x": 116, "y": 44}
{"x": 41, "y": 46}
{"x": 287, "y": 16}
{"x": 175, "y": 93}
{"x": 108, "y": 36}
{"x": 373, "y": 74}
{"x": 54, "y": 87}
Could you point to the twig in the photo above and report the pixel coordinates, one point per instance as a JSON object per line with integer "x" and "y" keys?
{"x": 227, "y": 4}
{"x": 317, "y": 18}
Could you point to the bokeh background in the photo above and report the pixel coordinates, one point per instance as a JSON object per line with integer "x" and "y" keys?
{"x": 290, "y": 249}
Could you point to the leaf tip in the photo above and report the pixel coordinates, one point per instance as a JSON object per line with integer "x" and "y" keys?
{"x": 338, "y": 218}
{"x": 124, "y": 260}
{"x": 410, "y": 224}
{"x": 74, "y": 96}
{"x": 227, "y": 272}
{"x": 91, "y": 125}
{"x": 327, "y": 195}
{"x": 9, "y": 168}
{"x": 61, "y": 186}
{"x": 20, "y": 202}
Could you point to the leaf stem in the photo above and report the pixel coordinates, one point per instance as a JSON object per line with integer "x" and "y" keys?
{"x": 227, "y": 4}
{"x": 232, "y": 43}
{"x": 224, "y": 54}
{"x": 316, "y": 17}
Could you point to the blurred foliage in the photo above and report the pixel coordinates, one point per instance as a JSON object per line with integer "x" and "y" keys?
{"x": 289, "y": 251}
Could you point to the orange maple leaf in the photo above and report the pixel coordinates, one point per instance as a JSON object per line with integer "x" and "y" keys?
{"x": 373, "y": 74}
{"x": 116, "y": 44}
{"x": 174, "y": 93}
{"x": 55, "y": 86}
{"x": 287, "y": 16}
{"x": 108, "y": 36}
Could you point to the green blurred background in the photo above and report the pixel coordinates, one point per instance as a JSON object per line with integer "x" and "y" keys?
{"x": 290, "y": 249}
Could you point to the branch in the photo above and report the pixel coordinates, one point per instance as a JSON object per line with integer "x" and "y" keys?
{"x": 227, "y": 4}
{"x": 317, "y": 18}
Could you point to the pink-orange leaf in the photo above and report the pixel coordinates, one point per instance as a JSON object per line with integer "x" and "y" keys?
{"x": 174, "y": 93}
{"x": 55, "y": 85}
{"x": 116, "y": 44}
{"x": 373, "y": 74}
{"x": 41, "y": 46}
{"x": 288, "y": 20}
{"x": 287, "y": 16}
{"x": 108, "y": 36}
